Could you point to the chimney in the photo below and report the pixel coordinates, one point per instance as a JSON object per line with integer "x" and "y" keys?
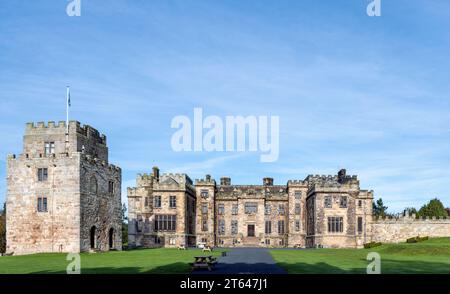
{"x": 268, "y": 181}
{"x": 341, "y": 175}
{"x": 156, "y": 173}
{"x": 208, "y": 178}
{"x": 225, "y": 181}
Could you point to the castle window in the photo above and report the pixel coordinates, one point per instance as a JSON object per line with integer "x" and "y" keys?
{"x": 297, "y": 208}
{"x": 343, "y": 202}
{"x": 42, "y": 204}
{"x": 268, "y": 229}
{"x": 204, "y": 208}
{"x": 204, "y": 224}
{"x": 146, "y": 202}
{"x": 172, "y": 201}
{"x": 281, "y": 210}
{"x": 251, "y": 207}
{"x": 165, "y": 222}
{"x": 267, "y": 241}
{"x": 42, "y": 174}
{"x": 234, "y": 209}
{"x": 297, "y": 225}
{"x": 111, "y": 187}
{"x": 221, "y": 227}
{"x": 204, "y": 193}
{"x": 359, "y": 203}
{"x": 49, "y": 148}
{"x": 234, "y": 227}
{"x": 267, "y": 209}
{"x": 360, "y": 225}
{"x": 335, "y": 224}
{"x": 93, "y": 185}
{"x": 328, "y": 202}
{"x": 172, "y": 241}
{"x": 280, "y": 227}
{"x": 157, "y": 202}
{"x": 221, "y": 209}
{"x": 298, "y": 195}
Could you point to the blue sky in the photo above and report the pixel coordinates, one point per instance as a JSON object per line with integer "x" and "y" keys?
{"x": 367, "y": 94}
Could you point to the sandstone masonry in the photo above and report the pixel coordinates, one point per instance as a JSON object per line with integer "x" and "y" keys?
{"x": 169, "y": 210}
{"x": 62, "y": 195}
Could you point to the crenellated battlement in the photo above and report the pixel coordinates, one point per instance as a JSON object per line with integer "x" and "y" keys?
{"x": 410, "y": 218}
{"x": 95, "y": 161}
{"x": 206, "y": 181}
{"x": 61, "y": 127}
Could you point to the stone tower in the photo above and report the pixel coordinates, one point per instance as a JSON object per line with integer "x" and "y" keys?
{"x": 62, "y": 194}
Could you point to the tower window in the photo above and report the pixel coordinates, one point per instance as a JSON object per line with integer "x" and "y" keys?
{"x": 328, "y": 202}
{"x": 267, "y": 209}
{"x": 297, "y": 208}
{"x": 94, "y": 186}
{"x": 42, "y": 204}
{"x": 297, "y": 225}
{"x": 234, "y": 209}
{"x": 234, "y": 227}
{"x": 281, "y": 210}
{"x": 111, "y": 187}
{"x": 157, "y": 201}
{"x": 343, "y": 202}
{"x": 173, "y": 202}
{"x": 42, "y": 174}
{"x": 281, "y": 227}
{"x": 221, "y": 209}
{"x": 49, "y": 148}
{"x": 204, "y": 193}
{"x": 360, "y": 225}
{"x": 268, "y": 228}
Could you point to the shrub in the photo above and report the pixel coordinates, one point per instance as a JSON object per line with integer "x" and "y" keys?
{"x": 372, "y": 244}
{"x": 416, "y": 239}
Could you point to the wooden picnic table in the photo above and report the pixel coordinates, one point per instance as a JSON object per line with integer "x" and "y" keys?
{"x": 202, "y": 262}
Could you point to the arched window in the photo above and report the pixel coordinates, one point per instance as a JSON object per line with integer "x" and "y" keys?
{"x": 93, "y": 185}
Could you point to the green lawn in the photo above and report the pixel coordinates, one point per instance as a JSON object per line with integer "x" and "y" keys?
{"x": 161, "y": 260}
{"x": 432, "y": 256}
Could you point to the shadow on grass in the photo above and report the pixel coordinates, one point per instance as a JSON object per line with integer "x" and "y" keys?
{"x": 173, "y": 268}
{"x": 388, "y": 266}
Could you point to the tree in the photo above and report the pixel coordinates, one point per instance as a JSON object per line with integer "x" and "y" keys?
{"x": 433, "y": 208}
{"x": 3, "y": 230}
{"x": 448, "y": 211}
{"x": 124, "y": 226}
{"x": 379, "y": 209}
{"x": 410, "y": 211}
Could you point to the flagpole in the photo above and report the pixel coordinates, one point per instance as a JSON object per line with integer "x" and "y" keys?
{"x": 67, "y": 117}
{"x": 67, "y": 109}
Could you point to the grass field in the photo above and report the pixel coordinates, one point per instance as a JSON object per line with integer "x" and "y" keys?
{"x": 118, "y": 262}
{"x": 432, "y": 256}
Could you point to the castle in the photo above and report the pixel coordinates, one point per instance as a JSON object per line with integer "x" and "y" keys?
{"x": 62, "y": 195}
{"x": 319, "y": 211}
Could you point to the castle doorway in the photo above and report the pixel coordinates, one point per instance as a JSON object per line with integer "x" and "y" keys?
{"x": 111, "y": 238}
{"x": 251, "y": 230}
{"x": 93, "y": 237}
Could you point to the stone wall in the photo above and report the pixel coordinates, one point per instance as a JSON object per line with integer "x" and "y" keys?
{"x": 72, "y": 208}
{"x": 399, "y": 229}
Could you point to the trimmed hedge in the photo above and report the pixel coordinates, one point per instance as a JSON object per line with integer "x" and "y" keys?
{"x": 372, "y": 244}
{"x": 416, "y": 239}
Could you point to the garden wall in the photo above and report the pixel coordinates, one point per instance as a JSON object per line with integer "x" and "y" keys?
{"x": 397, "y": 230}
